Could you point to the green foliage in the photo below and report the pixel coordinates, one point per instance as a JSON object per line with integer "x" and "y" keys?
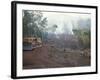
{"x": 33, "y": 23}
{"x": 83, "y": 36}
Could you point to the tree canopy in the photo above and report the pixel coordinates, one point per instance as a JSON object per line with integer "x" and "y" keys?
{"x": 34, "y": 23}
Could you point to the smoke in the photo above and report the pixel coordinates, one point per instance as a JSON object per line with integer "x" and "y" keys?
{"x": 65, "y": 21}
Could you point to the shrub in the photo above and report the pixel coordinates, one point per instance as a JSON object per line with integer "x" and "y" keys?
{"x": 83, "y": 36}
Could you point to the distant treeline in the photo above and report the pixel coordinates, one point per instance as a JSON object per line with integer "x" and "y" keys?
{"x": 35, "y": 24}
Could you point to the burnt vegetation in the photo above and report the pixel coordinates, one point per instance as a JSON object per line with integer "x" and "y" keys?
{"x": 67, "y": 49}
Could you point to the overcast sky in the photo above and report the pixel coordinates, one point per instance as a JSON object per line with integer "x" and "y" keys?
{"x": 62, "y": 19}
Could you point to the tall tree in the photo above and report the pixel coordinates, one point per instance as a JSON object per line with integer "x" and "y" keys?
{"x": 33, "y": 23}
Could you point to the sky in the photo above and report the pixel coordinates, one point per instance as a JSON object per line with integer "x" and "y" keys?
{"x": 64, "y": 20}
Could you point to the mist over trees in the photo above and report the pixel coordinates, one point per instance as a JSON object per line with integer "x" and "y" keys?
{"x": 71, "y": 32}
{"x": 56, "y": 39}
{"x": 83, "y": 32}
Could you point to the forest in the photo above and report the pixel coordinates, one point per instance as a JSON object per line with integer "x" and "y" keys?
{"x": 65, "y": 41}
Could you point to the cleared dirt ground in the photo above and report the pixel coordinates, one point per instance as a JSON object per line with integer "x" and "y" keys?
{"x": 48, "y": 56}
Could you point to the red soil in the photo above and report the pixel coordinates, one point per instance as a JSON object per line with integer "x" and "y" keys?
{"x": 42, "y": 58}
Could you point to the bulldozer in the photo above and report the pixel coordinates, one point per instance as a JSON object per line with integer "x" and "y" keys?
{"x": 30, "y": 43}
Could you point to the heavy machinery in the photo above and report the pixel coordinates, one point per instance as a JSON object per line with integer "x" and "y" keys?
{"x": 30, "y": 43}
